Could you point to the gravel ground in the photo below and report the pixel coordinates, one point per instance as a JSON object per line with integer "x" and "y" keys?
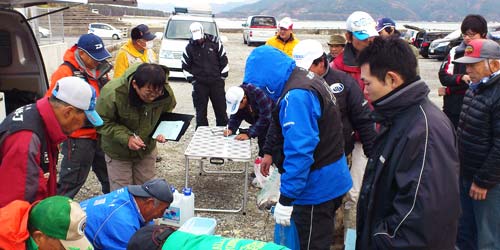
{"x": 225, "y": 191}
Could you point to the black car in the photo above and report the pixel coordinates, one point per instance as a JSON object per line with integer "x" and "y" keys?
{"x": 427, "y": 38}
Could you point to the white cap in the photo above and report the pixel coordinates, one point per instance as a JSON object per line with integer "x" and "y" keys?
{"x": 78, "y": 93}
{"x": 306, "y": 51}
{"x": 196, "y": 30}
{"x": 286, "y": 23}
{"x": 362, "y": 25}
{"x": 234, "y": 95}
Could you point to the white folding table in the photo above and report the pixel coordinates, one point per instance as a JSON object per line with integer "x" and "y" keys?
{"x": 208, "y": 143}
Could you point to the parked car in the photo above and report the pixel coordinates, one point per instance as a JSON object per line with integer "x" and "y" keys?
{"x": 427, "y": 38}
{"x": 177, "y": 35}
{"x": 43, "y": 32}
{"x": 257, "y": 29}
{"x": 439, "y": 48}
{"x": 413, "y": 35}
{"x": 494, "y": 32}
{"x": 104, "y": 30}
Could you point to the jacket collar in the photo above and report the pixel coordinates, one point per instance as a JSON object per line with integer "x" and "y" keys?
{"x": 52, "y": 126}
{"x": 350, "y": 55}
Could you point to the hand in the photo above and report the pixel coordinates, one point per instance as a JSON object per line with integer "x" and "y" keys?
{"x": 477, "y": 193}
{"x": 442, "y": 91}
{"x": 242, "y": 137}
{"x": 282, "y": 214}
{"x": 265, "y": 164}
{"x": 161, "y": 138}
{"x": 228, "y": 132}
{"x": 135, "y": 143}
{"x": 466, "y": 79}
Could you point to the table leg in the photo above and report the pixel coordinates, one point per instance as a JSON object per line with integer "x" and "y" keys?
{"x": 245, "y": 194}
{"x": 187, "y": 172}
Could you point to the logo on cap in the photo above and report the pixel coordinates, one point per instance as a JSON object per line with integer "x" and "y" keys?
{"x": 469, "y": 50}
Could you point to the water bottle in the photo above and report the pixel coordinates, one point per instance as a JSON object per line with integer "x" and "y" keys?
{"x": 172, "y": 213}
{"x": 187, "y": 205}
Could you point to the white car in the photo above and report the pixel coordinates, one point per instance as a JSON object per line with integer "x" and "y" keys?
{"x": 177, "y": 35}
{"x": 43, "y": 32}
{"x": 257, "y": 29}
{"x": 104, "y": 30}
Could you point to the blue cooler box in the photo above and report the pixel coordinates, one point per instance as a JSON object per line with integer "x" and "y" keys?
{"x": 199, "y": 225}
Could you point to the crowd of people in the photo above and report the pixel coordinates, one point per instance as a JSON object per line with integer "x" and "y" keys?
{"x": 352, "y": 127}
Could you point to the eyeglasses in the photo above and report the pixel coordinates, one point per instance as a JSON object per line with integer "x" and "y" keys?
{"x": 153, "y": 92}
{"x": 469, "y": 34}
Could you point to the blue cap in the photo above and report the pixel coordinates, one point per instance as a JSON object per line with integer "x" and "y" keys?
{"x": 144, "y": 33}
{"x": 385, "y": 22}
{"x": 93, "y": 46}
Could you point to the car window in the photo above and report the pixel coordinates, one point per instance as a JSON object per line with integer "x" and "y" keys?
{"x": 179, "y": 29}
{"x": 106, "y": 27}
{"x": 454, "y": 34}
{"x": 265, "y": 21}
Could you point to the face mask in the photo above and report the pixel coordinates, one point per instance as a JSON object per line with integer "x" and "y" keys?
{"x": 149, "y": 44}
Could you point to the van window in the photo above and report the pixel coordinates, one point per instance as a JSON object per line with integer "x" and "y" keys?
{"x": 263, "y": 21}
{"x": 5, "y": 49}
{"x": 179, "y": 29}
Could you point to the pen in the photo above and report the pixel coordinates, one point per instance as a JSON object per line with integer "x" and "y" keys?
{"x": 137, "y": 137}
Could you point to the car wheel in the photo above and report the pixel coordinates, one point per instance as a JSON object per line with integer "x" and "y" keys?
{"x": 244, "y": 40}
{"x": 41, "y": 34}
{"x": 116, "y": 37}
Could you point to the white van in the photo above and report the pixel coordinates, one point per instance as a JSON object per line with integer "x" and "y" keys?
{"x": 258, "y": 29}
{"x": 177, "y": 35}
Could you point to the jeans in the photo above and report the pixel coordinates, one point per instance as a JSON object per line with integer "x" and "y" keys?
{"x": 479, "y": 225}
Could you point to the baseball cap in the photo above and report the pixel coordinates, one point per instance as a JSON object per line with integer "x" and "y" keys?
{"x": 143, "y": 33}
{"x": 155, "y": 188}
{"x": 306, "y": 51}
{"x": 196, "y": 30}
{"x": 78, "y": 93}
{"x": 362, "y": 25}
{"x": 62, "y": 218}
{"x": 234, "y": 95}
{"x": 480, "y": 50}
{"x": 385, "y": 22}
{"x": 150, "y": 237}
{"x": 286, "y": 23}
{"x": 336, "y": 40}
{"x": 94, "y": 47}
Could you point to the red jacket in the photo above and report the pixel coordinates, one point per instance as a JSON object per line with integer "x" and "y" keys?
{"x": 21, "y": 177}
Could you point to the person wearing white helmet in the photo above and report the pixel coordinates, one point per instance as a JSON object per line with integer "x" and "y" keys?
{"x": 205, "y": 65}
{"x": 285, "y": 40}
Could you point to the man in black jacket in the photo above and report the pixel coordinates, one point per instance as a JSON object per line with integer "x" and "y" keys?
{"x": 479, "y": 148}
{"x": 204, "y": 63}
{"x": 410, "y": 193}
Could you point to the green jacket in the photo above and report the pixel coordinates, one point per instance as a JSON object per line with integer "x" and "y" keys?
{"x": 122, "y": 118}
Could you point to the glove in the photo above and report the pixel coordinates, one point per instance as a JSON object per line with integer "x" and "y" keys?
{"x": 282, "y": 214}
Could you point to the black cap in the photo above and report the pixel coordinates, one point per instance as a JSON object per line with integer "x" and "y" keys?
{"x": 141, "y": 31}
{"x": 155, "y": 188}
{"x": 150, "y": 237}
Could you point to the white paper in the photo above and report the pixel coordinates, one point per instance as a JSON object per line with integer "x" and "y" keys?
{"x": 169, "y": 129}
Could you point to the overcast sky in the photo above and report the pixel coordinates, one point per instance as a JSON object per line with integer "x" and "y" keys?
{"x": 167, "y": 5}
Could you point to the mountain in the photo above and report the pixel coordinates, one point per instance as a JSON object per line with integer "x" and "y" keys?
{"x": 338, "y": 10}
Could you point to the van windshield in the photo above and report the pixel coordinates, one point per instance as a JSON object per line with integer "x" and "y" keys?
{"x": 263, "y": 21}
{"x": 179, "y": 29}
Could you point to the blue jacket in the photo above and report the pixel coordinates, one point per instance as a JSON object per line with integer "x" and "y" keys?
{"x": 112, "y": 219}
{"x": 269, "y": 69}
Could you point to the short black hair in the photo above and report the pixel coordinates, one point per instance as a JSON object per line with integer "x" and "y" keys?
{"x": 322, "y": 58}
{"x": 135, "y": 34}
{"x": 476, "y": 23}
{"x": 151, "y": 73}
{"x": 389, "y": 54}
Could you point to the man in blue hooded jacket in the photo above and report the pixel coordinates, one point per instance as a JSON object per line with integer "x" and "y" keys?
{"x": 314, "y": 172}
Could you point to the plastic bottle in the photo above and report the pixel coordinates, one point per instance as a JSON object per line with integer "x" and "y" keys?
{"x": 187, "y": 207}
{"x": 181, "y": 209}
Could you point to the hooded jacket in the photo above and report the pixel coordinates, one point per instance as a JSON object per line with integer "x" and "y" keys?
{"x": 129, "y": 55}
{"x": 410, "y": 191}
{"x": 124, "y": 114}
{"x": 299, "y": 113}
{"x": 286, "y": 47}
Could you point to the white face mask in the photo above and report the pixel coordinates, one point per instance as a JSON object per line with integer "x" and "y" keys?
{"x": 149, "y": 44}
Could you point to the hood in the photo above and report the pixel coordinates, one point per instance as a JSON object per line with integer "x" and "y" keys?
{"x": 268, "y": 69}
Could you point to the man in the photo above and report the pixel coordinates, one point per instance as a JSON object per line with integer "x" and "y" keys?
{"x": 409, "y": 198}
{"x": 336, "y": 45}
{"x": 452, "y": 76}
{"x": 154, "y": 237}
{"x": 131, "y": 106}
{"x": 87, "y": 60}
{"x": 314, "y": 172}
{"x": 30, "y": 137}
{"x": 113, "y": 218}
{"x": 205, "y": 65}
{"x": 479, "y": 147}
{"x": 139, "y": 49}
{"x": 55, "y": 223}
{"x": 354, "y": 111}
{"x": 249, "y": 103}
{"x": 285, "y": 40}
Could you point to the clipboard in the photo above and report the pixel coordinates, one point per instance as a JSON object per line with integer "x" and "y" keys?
{"x": 184, "y": 118}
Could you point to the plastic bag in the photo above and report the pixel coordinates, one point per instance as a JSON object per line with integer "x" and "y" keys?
{"x": 287, "y": 235}
{"x": 259, "y": 180}
{"x": 270, "y": 192}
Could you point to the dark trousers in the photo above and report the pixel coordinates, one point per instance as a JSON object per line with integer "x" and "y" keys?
{"x": 201, "y": 93}
{"x": 315, "y": 224}
{"x": 79, "y": 155}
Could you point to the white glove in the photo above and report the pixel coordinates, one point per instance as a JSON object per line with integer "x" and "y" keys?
{"x": 282, "y": 214}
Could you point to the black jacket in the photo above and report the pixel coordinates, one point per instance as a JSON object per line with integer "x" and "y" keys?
{"x": 205, "y": 63}
{"x": 410, "y": 193}
{"x": 450, "y": 76}
{"x": 479, "y": 134}
{"x": 354, "y": 110}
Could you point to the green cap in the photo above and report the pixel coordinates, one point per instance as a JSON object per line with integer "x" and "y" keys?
{"x": 62, "y": 218}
